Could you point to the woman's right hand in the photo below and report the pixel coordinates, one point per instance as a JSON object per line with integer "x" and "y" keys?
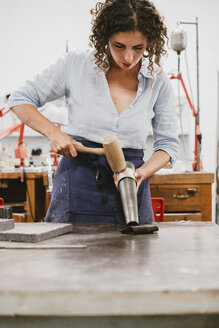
{"x": 62, "y": 144}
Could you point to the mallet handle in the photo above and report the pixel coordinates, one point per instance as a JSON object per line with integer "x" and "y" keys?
{"x": 83, "y": 149}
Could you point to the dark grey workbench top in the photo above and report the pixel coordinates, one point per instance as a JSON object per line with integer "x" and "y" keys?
{"x": 174, "y": 271}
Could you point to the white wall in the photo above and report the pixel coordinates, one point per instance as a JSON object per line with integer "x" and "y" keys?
{"x": 207, "y": 13}
{"x": 33, "y": 34}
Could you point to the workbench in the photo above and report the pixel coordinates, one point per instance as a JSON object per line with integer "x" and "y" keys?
{"x": 166, "y": 279}
{"x": 187, "y": 196}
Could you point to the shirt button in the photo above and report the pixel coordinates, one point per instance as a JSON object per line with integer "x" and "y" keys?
{"x": 114, "y": 125}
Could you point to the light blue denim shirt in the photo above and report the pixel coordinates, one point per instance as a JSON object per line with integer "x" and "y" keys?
{"x": 91, "y": 112}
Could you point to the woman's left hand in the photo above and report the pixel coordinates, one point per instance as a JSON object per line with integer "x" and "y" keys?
{"x": 140, "y": 176}
{"x": 154, "y": 163}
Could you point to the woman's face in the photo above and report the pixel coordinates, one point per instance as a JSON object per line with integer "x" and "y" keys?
{"x": 127, "y": 48}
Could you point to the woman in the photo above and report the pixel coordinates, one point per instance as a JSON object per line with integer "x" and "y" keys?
{"x": 119, "y": 89}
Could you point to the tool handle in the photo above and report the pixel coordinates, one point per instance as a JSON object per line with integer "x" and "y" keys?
{"x": 114, "y": 153}
{"x": 83, "y": 149}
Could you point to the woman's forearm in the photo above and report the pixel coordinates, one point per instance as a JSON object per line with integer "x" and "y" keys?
{"x": 158, "y": 160}
{"x": 31, "y": 117}
{"x": 59, "y": 141}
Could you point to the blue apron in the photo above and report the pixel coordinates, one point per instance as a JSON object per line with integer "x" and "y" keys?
{"x": 84, "y": 190}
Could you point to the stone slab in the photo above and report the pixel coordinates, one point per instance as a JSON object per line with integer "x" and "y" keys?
{"x": 179, "y": 321}
{"x": 35, "y": 232}
{"x": 173, "y": 272}
{"x": 6, "y": 224}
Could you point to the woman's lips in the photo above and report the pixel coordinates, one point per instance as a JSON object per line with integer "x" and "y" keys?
{"x": 126, "y": 65}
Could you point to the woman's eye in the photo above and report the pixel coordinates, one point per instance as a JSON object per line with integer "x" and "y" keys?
{"x": 138, "y": 48}
{"x": 121, "y": 46}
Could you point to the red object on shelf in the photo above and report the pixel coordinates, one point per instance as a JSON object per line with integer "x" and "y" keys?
{"x": 1, "y": 201}
{"x": 158, "y": 209}
{"x": 55, "y": 157}
{"x": 20, "y": 151}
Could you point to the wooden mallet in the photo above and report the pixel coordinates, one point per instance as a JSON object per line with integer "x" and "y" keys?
{"x": 111, "y": 149}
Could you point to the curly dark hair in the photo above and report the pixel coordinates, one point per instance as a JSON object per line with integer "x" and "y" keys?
{"x": 113, "y": 16}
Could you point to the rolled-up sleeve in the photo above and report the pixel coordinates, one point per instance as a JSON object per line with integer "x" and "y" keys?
{"x": 164, "y": 122}
{"x": 48, "y": 85}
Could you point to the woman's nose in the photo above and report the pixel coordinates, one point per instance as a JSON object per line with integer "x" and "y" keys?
{"x": 129, "y": 56}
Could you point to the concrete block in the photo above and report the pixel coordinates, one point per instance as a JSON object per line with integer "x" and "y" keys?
{"x": 6, "y": 224}
{"x": 35, "y": 232}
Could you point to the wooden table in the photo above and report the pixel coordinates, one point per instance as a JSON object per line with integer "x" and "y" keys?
{"x": 168, "y": 279}
{"x": 31, "y": 193}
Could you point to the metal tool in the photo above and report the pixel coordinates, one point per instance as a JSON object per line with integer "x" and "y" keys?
{"x": 127, "y": 188}
{"x": 6, "y": 212}
{"x": 178, "y": 44}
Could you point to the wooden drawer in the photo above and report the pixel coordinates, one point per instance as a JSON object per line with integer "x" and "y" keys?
{"x": 187, "y": 196}
{"x": 179, "y": 198}
{"x": 187, "y": 216}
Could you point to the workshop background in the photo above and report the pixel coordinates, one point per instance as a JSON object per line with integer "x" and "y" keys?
{"x": 33, "y": 34}
{"x": 84, "y": 275}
